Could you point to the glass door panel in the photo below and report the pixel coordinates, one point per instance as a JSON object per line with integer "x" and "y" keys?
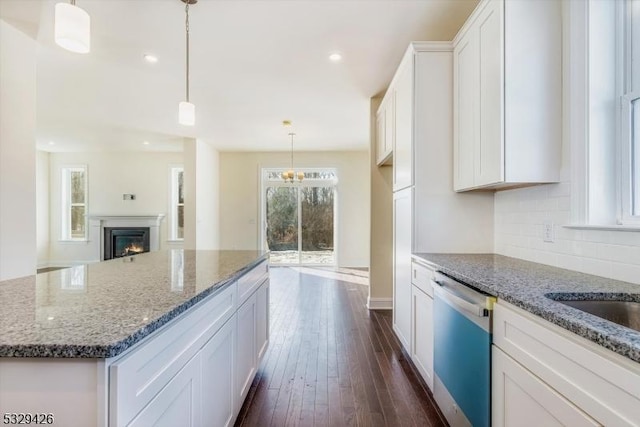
{"x": 316, "y": 207}
{"x": 282, "y": 224}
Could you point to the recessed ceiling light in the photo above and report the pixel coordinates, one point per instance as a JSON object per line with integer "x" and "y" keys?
{"x": 145, "y": 142}
{"x": 335, "y": 57}
{"x": 52, "y": 143}
{"x": 150, "y": 58}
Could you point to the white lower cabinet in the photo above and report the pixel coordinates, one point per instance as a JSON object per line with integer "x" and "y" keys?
{"x": 422, "y": 328}
{"x": 178, "y": 403}
{"x": 218, "y": 377}
{"x": 262, "y": 322}
{"x": 544, "y": 375}
{"x": 246, "y": 352}
{"x": 402, "y": 246}
{"x": 521, "y": 399}
{"x": 198, "y": 371}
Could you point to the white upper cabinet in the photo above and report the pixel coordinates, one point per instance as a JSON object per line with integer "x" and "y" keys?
{"x": 508, "y": 95}
{"x": 403, "y": 142}
{"x": 401, "y": 114}
{"x": 385, "y": 131}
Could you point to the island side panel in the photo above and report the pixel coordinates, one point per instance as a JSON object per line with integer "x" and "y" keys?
{"x": 70, "y": 389}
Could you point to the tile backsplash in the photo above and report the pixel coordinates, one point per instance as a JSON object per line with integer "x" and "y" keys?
{"x": 520, "y": 215}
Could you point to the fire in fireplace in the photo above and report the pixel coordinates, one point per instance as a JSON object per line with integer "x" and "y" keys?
{"x": 125, "y": 241}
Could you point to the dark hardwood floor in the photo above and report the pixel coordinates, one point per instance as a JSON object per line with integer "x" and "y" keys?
{"x": 332, "y": 362}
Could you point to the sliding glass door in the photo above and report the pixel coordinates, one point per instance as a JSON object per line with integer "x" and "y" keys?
{"x": 282, "y": 224}
{"x": 299, "y": 218}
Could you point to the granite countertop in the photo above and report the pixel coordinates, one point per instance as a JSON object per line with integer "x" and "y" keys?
{"x": 525, "y": 285}
{"x": 99, "y": 310}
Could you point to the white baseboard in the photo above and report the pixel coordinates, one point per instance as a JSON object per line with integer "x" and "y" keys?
{"x": 379, "y": 303}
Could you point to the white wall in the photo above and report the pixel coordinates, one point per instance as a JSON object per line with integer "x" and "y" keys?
{"x": 202, "y": 190}
{"x": 42, "y": 206}
{"x": 17, "y": 153}
{"x": 110, "y": 175}
{"x": 239, "y": 198}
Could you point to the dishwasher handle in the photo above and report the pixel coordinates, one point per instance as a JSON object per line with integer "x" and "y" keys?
{"x": 459, "y": 301}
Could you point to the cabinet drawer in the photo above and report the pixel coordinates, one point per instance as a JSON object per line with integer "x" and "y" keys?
{"x": 248, "y": 283}
{"x": 421, "y": 276}
{"x": 602, "y": 383}
{"x": 140, "y": 375}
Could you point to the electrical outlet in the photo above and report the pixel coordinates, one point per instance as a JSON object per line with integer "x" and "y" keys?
{"x": 547, "y": 231}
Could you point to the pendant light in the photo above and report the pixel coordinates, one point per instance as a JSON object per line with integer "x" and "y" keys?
{"x": 290, "y": 175}
{"x": 186, "y": 110}
{"x": 72, "y": 27}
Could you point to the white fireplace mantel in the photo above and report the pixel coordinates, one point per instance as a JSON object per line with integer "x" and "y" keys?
{"x": 97, "y": 223}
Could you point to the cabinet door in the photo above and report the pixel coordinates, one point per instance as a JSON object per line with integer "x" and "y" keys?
{"x": 262, "y": 319}
{"x": 246, "y": 352}
{"x": 422, "y": 334}
{"x": 403, "y": 148}
{"x": 466, "y": 93}
{"x": 380, "y": 136}
{"x": 178, "y": 403}
{"x": 402, "y": 213}
{"x": 521, "y": 399}
{"x": 218, "y": 369}
{"x": 389, "y": 121}
{"x": 490, "y": 150}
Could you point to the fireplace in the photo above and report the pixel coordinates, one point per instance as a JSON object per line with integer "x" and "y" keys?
{"x": 99, "y": 238}
{"x": 125, "y": 241}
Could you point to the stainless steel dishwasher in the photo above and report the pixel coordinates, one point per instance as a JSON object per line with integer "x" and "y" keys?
{"x": 462, "y": 352}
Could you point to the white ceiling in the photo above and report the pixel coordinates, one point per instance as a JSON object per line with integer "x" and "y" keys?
{"x": 253, "y": 64}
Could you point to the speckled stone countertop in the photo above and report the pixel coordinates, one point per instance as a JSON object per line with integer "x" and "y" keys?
{"x": 99, "y": 310}
{"x": 525, "y": 285}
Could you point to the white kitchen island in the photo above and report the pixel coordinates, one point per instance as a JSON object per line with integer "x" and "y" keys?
{"x": 169, "y": 338}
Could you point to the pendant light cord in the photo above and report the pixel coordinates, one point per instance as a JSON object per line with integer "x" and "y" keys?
{"x": 292, "y": 151}
{"x": 187, "y": 28}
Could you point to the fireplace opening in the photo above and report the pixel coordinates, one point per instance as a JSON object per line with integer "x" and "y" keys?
{"x": 125, "y": 241}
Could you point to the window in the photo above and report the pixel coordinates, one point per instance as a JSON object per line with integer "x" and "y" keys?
{"x": 630, "y": 120}
{"x": 74, "y": 203}
{"x": 176, "y": 215}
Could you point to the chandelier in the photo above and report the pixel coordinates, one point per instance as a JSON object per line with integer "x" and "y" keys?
{"x": 186, "y": 110}
{"x": 290, "y": 175}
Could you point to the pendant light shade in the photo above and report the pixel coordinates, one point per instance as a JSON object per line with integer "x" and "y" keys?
{"x": 186, "y": 114}
{"x": 72, "y": 28}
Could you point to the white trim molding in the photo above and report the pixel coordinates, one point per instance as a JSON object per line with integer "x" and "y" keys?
{"x": 379, "y": 303}
{"x": 97, "y": 223}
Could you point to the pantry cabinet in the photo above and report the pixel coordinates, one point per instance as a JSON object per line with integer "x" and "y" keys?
{"x": 404, "y": 120}
{"x": 402, "y": 246}
{"x": 508, "y": 95}
{"x": 428, "y": 216}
